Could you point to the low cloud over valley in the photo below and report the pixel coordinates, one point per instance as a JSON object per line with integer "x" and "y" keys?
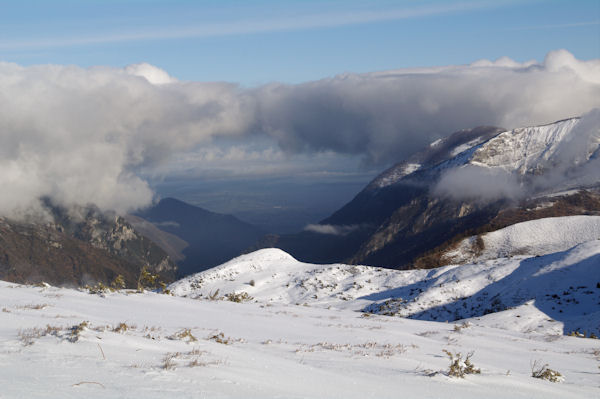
{"x": 93, "y": 136}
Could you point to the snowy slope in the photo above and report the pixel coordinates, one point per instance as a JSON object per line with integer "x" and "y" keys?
{"x": 438, "y": 151}
{"x": 562, "y": 287}
{"x": 525, "y": 150}
{"x": 174, "y": 347}
{"x": 568, "y": 294}
{"x": 272, "y": 275}
{"x": 535, "y": 237}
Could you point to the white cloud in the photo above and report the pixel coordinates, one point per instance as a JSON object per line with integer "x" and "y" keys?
{"x": 151, "y": 73}
{"x": 81, "y": 136}
{"x": 477, "y": 183}
{"x": 388, "y": 115}
{"x": 331, "y": 229}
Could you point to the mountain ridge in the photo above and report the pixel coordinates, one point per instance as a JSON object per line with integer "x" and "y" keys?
{"x": 210, "y": 238}
{"x": 454, "y": 186}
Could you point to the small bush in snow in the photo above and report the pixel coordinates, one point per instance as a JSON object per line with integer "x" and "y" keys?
{"x": 543, "y": 372}
{"x": 459, "y": 368}
{"x": 122, "y": 327}
{"x": 98, "y": 289}
{"x": 184, "y": 335}
{"x": 28, "y": 336}
{"x": 220, "y": 338}
{"x": 118, "y": 283}
{"x": 239, "y": 297}
{"x": 76, "y": 330}
{"x": 578, "y": 334}
{"x": 169, "y": 360}
{"x": 214, "y": 296}
{"x": 458, "y": 327}
{"x": 147, "y": 280}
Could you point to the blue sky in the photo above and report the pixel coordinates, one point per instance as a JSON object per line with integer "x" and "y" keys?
{"x": 255, "y": 42}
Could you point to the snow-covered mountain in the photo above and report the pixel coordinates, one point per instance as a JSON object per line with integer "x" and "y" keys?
{"x": 266, "y": 325}
{"x": 561, "y": 284}
{"x": 437, "y": 152}
{"x": 465, "y": 184}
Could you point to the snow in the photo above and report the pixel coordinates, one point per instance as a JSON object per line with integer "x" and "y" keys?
{"x": 277, "y": 350}
{"x": 535, "y": 237}
{"x": 464, "y": 147}
{"x": 302, "y": 332}
{"x": 436, "y": 143}
{"x": 396, "y": 173}
{"x": 446, "y": 294}
{"x": 524, "y": 150}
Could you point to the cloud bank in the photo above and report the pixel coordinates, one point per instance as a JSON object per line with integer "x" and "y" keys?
{"x": 87, "y": 136}
{"x": 479, "y": 183}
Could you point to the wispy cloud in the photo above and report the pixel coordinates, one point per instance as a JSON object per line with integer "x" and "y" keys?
{"x": 229, "y": 28}
{"x": 557, "y": 26}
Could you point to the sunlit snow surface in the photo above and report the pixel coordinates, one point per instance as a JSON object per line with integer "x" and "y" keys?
{"x": 534, "y": 237}
{"x": 302, "y": 336}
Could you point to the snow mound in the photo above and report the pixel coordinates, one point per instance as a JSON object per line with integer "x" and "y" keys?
{"x": 558, "y": 284}
{"x": 531, "y": 238}
{"x": 272, "y": 275}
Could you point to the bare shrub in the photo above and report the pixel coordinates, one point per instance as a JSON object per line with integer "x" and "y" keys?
{"x": 459, "y": 368}
{"x": 123, "y": 327}
{"x": 239, "y": 297}
{"x": 29, "y": 335}
{"x": 459, "y": 327}
{"x": 169, "y": 360}
{"x": 542, "y": 371}
{"x": 220, "y": 338}
{"x": 36, "y": 306}
{"x": 214, "y": 296}
{"x": 183, "y": 335}
{"x": 76, "y": 330}
{"x": 150, "y": 281}
{"x": 118, "y": 283}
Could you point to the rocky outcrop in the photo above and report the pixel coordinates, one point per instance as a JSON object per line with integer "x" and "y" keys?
{"x": 79, "y": 247}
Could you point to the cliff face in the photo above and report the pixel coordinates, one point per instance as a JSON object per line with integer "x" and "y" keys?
{"x": 76, "y": 250}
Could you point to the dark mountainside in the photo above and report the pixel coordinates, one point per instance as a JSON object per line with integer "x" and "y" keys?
{"x": 211, "y": 238}
{"x": 87, "y": 249}
{"x": 398, "y": 221}
{"x": 393, "y": 192}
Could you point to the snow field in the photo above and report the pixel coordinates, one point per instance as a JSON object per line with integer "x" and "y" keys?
{"x": 265, "y": 350}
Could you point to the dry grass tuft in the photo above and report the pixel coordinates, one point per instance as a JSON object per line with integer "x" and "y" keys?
{"x": 459, "y": 368}
{"x": 542, "y": 371}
